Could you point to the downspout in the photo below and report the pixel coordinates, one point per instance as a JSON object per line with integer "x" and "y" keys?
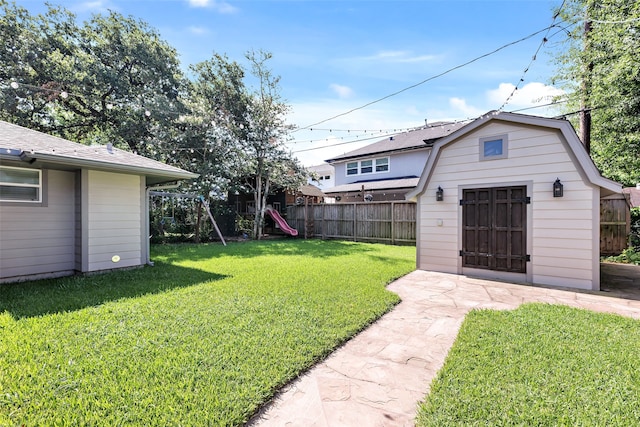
{"x": 147, "y": 225}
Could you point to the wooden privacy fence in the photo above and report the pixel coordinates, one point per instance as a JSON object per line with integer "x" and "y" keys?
{"x": 383, "y": 222}
{"x": 615, "y": 224}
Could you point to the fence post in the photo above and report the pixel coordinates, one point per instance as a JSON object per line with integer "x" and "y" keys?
{"x": 393, "y": 223}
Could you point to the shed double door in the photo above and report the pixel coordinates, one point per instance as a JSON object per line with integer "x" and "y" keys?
{"x": 494, "y": 228}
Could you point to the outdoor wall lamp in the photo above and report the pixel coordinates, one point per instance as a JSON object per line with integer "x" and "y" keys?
{"x": 558, "y": 188}
{"x": 439, "y": 194}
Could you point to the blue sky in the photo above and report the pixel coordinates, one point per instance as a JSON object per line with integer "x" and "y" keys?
{"x": 334, "y": 56}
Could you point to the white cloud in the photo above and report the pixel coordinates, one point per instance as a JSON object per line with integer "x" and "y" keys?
{"x": 460, "y": 106}
{"x": 218, "y": 6}
{"x": 198, "y": 30}
{"x": 529, "y": 95}
{"x": 342, "y": 91}
{"x": 93, "y": 6}
{"x": 398, "y": 56}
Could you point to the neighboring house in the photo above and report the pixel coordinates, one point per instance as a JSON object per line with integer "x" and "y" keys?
{"x": 512, "y": 197}
{"x": 387, "y": 169}
{"x": 325, "y": 176}
{"x": 67, "y": 207}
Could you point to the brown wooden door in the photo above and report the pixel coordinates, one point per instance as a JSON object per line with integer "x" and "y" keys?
{"x": 494, "y": 228}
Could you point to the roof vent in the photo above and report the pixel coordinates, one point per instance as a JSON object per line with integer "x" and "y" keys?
{"x": 390, "y": 138}
{"x": 638, "y": 186}
{"x": 110, "y": 148}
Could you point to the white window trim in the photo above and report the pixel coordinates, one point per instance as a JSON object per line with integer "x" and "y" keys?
{"x": 39, "y": 186}
{"x": 373, "y": 166}
{"x": 505, "y": 147}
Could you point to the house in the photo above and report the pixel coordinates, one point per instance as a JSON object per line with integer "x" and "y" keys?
{"x": 385, "y": 170}
{"x": 67, "y": 207}
{"x": 325, "y": 176}
{"x": 512, "y": 197}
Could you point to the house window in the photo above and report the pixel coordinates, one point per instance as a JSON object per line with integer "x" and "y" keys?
{"x": 368, "y": 166}
{"x": 20, "y": 185}
{"x": 327, "y": 177}
{"x": 251, "y": 207}
{"x": 494, "y": 147}
{"x": 382, "y": 165}
{"x": 277, "y": 206}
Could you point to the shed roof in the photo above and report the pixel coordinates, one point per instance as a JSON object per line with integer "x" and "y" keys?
{"x": 423, "y": 137}
{"x": 38, "y": 148}
{"x": 582, "y": 158}
{"x": 311, "y": 190}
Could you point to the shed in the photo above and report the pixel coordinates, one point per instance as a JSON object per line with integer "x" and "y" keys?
{"x": 67, "y": 207}
{"x": 512, "y": 197}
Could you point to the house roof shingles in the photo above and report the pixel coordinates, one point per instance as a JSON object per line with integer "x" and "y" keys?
{"x": 33, "y": 146}
{"x": 417, "y": 138}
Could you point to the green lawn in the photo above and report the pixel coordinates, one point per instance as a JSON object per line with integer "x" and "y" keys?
{"x": 542, "y": 365}
{"x": 205, "y": 337}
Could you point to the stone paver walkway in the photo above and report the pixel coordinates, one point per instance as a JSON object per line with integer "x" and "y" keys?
{"x": 379, "y": 376}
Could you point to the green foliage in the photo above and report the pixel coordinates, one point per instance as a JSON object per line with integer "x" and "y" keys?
{"x": 602, "y": 72}
{"x": 112, "y": 69}
{"x": 113, "y": 79}
{"x": 205, "y": 337}
{"x": 634, "y": 238}
{"x": 543, "y": 365}
{"x": 628, "y": 256}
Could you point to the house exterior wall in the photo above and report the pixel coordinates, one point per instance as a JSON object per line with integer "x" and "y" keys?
{"x": 111, "y": 221}
{"x": 38, "y": 241}
{"x": 562, "y": 233}
{"x": 406, "y": 163}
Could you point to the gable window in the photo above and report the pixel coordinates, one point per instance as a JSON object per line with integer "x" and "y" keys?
{"x": 494, "y": 147}
{"x": 368, "y": 166}
{"x": 20, "y": 185}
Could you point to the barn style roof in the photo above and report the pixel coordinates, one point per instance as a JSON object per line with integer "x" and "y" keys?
{"x": 582, "y": 159}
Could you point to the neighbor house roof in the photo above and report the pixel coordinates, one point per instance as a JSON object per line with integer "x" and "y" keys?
{"x": 410, "y": 140}
{"x": 633, "y": 195}
{"x": 583, "y": 159}
{"x": 23, "y": 144}
{"x": 384, "y": 184}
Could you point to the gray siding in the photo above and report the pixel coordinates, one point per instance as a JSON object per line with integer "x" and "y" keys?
{"x": 40, "y": 240}
{"x": 113, "y": 221}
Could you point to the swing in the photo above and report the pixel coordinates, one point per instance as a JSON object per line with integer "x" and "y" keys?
{"x": 171, "y": 219}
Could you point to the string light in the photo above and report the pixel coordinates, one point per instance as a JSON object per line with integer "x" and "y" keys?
{"x": 545, "y": 39}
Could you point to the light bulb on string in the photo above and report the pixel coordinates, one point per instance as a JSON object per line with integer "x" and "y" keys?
{"x": 15, "y": 85}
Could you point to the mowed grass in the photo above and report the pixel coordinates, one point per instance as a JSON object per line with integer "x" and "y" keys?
{"x": 542, "y": 365}
{"x": 205, "y": 337}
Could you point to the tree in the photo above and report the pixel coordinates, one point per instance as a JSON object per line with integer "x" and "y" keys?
{"x": 600, "y": 69}
{"x": 252, "y": 121}
{"x": 112, "y": 79}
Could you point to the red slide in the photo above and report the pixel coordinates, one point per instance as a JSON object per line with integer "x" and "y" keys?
{"x": 281, "y": 222}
